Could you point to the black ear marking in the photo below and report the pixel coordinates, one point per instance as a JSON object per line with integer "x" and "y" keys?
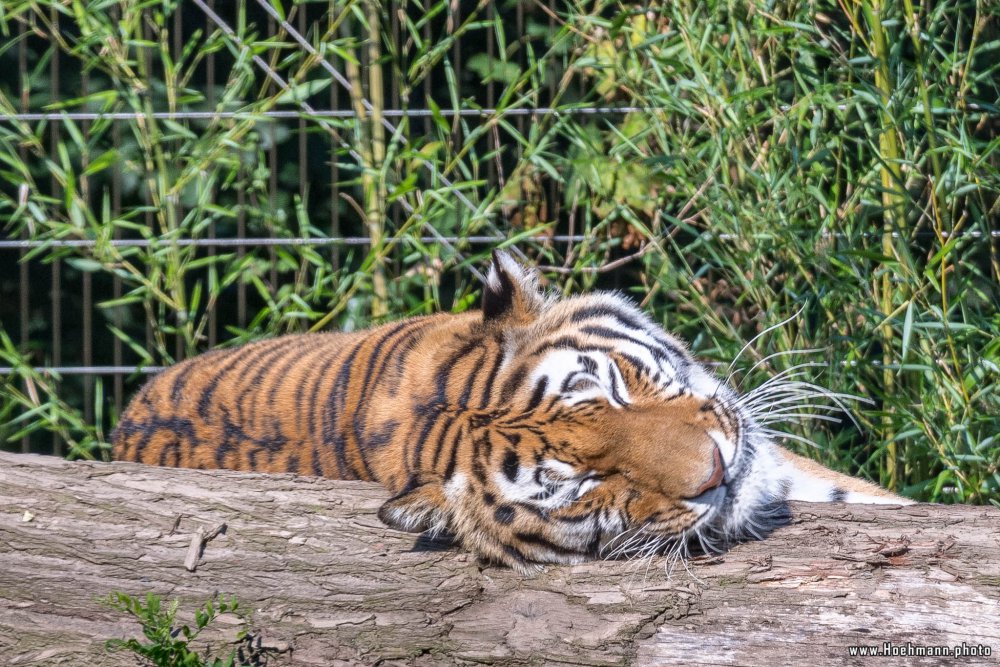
{"x": 498, "y": 294}
{"x": 511, "y": 294}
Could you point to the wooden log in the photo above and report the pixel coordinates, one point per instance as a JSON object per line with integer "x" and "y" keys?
{"x": 327, "y": 583}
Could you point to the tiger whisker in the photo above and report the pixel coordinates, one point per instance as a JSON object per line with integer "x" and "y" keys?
{"x": 674, "y": 554}
{"x": 632, "y": 536}
{"x": 794, "y": 370}
{"x": 788, "y": 401}
{"x": 684, "y": 562}
{"x": 756, "y": 338}
{"x": 752, "y": 526}
{"x": 789, "y": 404}
{"x": 792, "y": 436}
{"x": 783, "y": 377}
{"x": 799, "y": 387}
{"x": 774, "y": 355}
{"x": 778, "y": 417}
{"x": 785, "y": 386}
{"x": 787, "y": 392}
{"x": 769, "y": 387}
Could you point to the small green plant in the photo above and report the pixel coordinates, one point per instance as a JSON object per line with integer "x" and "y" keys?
{"x": 167, "y": 645}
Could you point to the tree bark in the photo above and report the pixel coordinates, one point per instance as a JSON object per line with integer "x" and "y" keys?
{"x": 327, "y": 583}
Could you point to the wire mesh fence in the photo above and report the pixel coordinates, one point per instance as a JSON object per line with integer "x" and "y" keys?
{"x": 57, "y": 296}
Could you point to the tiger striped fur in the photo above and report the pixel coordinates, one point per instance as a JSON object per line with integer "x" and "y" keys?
{"x": 538, "y": 430}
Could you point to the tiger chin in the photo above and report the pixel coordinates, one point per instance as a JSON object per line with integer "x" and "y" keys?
{"x": 537, "y": 430}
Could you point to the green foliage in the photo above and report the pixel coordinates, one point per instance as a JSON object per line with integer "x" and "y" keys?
{"x": 42, "y": 409}
{"x": 811, "y": 165}
{"x": 839, "y": 160}
{"x": 168, "y": 645}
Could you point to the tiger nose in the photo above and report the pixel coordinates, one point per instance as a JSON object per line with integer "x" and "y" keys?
{"x": 718, "y": 476}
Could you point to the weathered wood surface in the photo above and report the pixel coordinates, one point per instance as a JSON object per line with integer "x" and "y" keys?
{"x": 329, "y": 584}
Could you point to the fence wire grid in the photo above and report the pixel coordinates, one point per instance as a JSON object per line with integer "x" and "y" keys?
{"x": 45, "y": 286}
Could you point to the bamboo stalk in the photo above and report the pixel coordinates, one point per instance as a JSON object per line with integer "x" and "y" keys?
{"x": 371, "y": 147}
{"x": 375, "y": 203}
{"x": 892, "y": 203}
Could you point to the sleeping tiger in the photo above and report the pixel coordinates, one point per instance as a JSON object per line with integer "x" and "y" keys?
{"x": 537, "y": 430}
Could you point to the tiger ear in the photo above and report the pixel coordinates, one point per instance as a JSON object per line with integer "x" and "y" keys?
{"x": 416, "y": 508}
{"x": 511, "y": 294}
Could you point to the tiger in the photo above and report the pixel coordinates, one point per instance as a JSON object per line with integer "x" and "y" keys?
{"x": 539, "y": 429}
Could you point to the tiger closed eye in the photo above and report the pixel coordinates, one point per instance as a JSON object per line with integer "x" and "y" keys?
{"x": 582, "y": 383}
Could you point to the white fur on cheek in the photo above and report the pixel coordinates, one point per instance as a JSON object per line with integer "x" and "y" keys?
{"x": 703, "y": 384}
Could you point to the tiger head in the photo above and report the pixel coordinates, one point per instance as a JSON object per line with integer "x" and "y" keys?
{"x": 601, "y": 436}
